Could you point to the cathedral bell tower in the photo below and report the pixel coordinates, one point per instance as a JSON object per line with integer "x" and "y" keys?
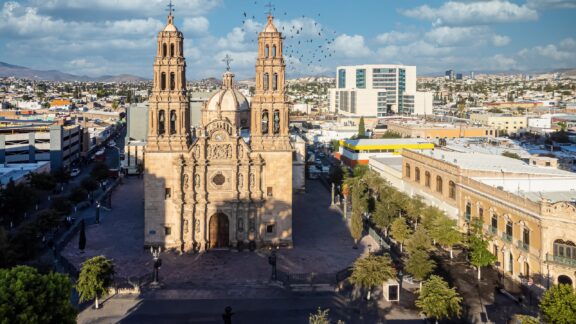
{"x": 169, "y": 121}
{"x": 269, "y": 112}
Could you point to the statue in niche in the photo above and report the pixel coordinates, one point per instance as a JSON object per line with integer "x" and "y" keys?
{"x": 252, "y": 180}
{"x": 197, "y": 180}
{"x": 185, "y": 181}
{"x": 197, "y": 226}
{"x": 240, "y": 181}
{"x": 185, "y": 226}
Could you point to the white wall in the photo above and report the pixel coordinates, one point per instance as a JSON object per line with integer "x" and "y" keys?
{"x": 423, "y": 103}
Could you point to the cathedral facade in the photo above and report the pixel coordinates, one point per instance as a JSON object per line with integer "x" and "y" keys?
{"x": 215, "y": 187}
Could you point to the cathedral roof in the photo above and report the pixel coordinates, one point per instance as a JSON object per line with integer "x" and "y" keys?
{"x": 270, "y": 28}
{"x": 170, "y": 25}
{"x": 228, "y": 98}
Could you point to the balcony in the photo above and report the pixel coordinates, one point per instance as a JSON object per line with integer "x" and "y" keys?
{"x": 506, "y": 237}
{"x": 561, "y": 260}
{"x": 523, "y": 246}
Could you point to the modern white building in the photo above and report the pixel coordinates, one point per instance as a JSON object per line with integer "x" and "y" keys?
{"x": 377, "y": 91}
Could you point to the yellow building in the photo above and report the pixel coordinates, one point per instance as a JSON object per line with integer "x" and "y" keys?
{"x": 528, "y": 211}
{"x": 355, "y": 152}
{"x": 423, "y": 129}
{"x": 508, "y": 123}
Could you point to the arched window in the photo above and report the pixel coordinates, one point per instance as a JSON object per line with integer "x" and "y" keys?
{"x": 468, "y": 211}
{"x": 172, "y": 121}
{"x": 265, "y": 121}
{"x": 163, "y": 81}
{"x": 181, "y": 53}
{"x": 266, "y": 51}
{"x": 452, "y": 189}
{"x": 164, "y": 50}
{"x": 417, "y": 174}
{"x": 408, "y": 171}
{"x": 266, "y": 81}
{"x": 564, "y": 250}
{"x": 427, "y": 179}
{"x": 183, "y": 78}
{"x": 273, "y": 50}
{"x": 275, "y": 81}
{"x": 172, "y": 50}
{"x": 172, "y": 80}
{"x": 161, "y": 122}
{"x": 510, "y": 263}
{"x": 276, "y": 122}
{"x": 494, "y": 223}
{"x": 439, "y": 184}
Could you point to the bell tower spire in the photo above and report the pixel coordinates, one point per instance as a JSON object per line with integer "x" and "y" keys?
{"x": 169, "y": 118}
{"x": 269, "y": 118}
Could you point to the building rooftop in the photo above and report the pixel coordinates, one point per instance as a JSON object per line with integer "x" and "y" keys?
{"x": 386, "y": 141}
{"x": 16, "y": 171}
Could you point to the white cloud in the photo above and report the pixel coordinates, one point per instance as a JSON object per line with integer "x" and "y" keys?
{"x": 568, "y": 43}
{"x": 455, "y": 35}
{"x": 236, "y": 40}
{"x": 394, "y": 37}
{"x": 552, "y": 4}
{"x": 500, "y": 40}
{"x": 351, "y": 46}
{"x": 195, "y": 25}
{"x": 483, "y": 12}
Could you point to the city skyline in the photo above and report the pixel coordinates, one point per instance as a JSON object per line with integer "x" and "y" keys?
{"x": 111, "y": 37}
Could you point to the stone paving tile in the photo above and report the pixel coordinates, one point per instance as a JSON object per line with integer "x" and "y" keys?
{"x": 322, "y": 243}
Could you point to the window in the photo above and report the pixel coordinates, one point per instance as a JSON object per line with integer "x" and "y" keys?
{"x": 494, "y": 224}
{"x": 510, "y": 263}
{"x": 265, "y": 122}
{"x": 452, "y": 190}
{"x": 275, "y": 81}
{"x": 167, "y": 193}
{"x": 408, "y": 170}
{"x": 270, "y": 229}
{"x": 163, "y": 81}
{"x": 276, "y": 125}
{"x": 164, "y": 50}
{"x": 266, "y": 51}
{"x": 161, "y": 122}
{"x": 565, "y": 249}
{"x": 427, "y": 179}
{"x": 480, "y": 212}
{"x": 509, "y": 228}
{"x": 468, "y": 210}
{"x": 526, "y": 237}
{"x": 173, "y": 122}
{"x": 167, "y": 230}
{"x": 218, "y": 179}
{"x": 172, "y": 81}
{"x": 269, "y": 191}
{"x": 341, "y": 78}
{"x": 417, "y": 174}
{"x": 266, "y": 81}
{"x": 361, "y": 78}
{"x": 439, "y": 184}
{"x": 171, "y": 50}
{"x": 273, "y": 50}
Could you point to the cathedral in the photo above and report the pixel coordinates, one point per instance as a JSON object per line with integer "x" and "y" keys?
{"x": 217, "y": 187}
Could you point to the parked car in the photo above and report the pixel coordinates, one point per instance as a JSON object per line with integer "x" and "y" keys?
{"x": 75, "y": 172}
{"x": 111, "y": 143}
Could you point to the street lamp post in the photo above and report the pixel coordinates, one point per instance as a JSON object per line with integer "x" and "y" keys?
{"x": 155, "y": 251}
{"x": 98, "y": 212}
{"x": 332, "y": 194}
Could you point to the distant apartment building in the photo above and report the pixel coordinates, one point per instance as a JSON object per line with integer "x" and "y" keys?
{"x": 449, "y": 74}
{"x": 358, "y": 152}
{"x": 503, "y": 123}
{"x": 30, "y": 142}
{"x": 428, "y": 130}
{"x": 61, "y": 104}
{"x": 378, "y": 91}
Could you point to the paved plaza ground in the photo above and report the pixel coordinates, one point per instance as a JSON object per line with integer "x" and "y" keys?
{"x": 322, "y": 244}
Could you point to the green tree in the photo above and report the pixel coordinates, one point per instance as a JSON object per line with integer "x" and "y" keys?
{"x": 438, "y": 300}
{"x": 48, "y": 219}
{"x": 320, "y": 317}
{"x": 447, "y": 234}
{"x": 62, "y": 205}
{"x": 61, "y": 175}
{"x": 100, "y": 171}
{"x": 419, "y": 240}
{"x": 82, "y": 236}
{"x": 42, "y": 181}
{"x": 16, "y": 199}
{"x": 391, "y": 134}
{"x": 419, "y": 265}
{"x": 96, "y": 276}
{"x": 558, "y": 305}
{"x": 372, "y": 271}
{"x": 400, "y": 231}
{"x": 78, "y": 195}
{"x": 480, "y": 256}
{"x": 336, "y": 145}
{"x": 511, "y": 155}
{"x": 361, "y": 129}
{"x": 29, "y": 297}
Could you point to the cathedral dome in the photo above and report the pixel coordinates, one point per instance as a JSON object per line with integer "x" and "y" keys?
{"x": 228, "y": 98}
{"x": 170, "y": 27}
{"x": 270, "y": 28}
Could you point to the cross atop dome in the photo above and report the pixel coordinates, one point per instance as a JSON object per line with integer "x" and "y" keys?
{"x": 270, "y": 7}
{"x": 170, "y": 11}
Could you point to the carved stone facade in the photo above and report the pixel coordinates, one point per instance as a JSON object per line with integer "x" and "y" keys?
{"x": 219, "y": 189}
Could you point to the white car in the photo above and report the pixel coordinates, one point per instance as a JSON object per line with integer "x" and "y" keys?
{"x": 74, "y": 172}
{"x": 111, "y": 143}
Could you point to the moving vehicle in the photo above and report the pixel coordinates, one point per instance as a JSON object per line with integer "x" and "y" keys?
{"x": 74, "y": 172}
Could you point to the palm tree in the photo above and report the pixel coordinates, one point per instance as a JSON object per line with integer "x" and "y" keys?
{"x": 372, "y": 271}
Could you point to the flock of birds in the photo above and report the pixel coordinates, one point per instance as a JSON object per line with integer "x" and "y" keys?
{"x": 306, "y": 42}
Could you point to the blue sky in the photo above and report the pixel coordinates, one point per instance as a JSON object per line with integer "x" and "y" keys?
{"x": 97, "y": 37}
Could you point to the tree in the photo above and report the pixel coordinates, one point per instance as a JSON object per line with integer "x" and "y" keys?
{"x": 438, "y": 300}
{"x": 42, "y": 181}
{"x": 320, "y": 317}
{"x": 100, "y": 171}
{"x": 419, "y": 265}
{"x": 61, "y": 175}
{"x": 336, "y": 145}
{"x": 447, "y": 234}
{"x": 62, "y": 205}
{"x": 361, "y": 129}
{"x": 27, "y": 296}
{"x": 82, "y": 236}
{"x": 95, "y": 277}
{"x": 78, "y": 195}
{"x": 400, "y": 231}
{"x": 558, "y": 305}
{"x": 372, "y": 271}
{"x": 511, "y": 155}
{"x": 420, "y": 240}
{"x": 16, "y": 199}
{"x": 480, "y": 256}
{"x": 391, "y": 134}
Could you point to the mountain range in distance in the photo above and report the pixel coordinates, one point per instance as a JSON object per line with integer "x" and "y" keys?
{"x": 21, "y": 72}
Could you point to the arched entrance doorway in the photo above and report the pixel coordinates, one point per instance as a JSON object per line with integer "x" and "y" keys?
{"x": 564, "y": 280}
{"x": 219, "y": 231}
